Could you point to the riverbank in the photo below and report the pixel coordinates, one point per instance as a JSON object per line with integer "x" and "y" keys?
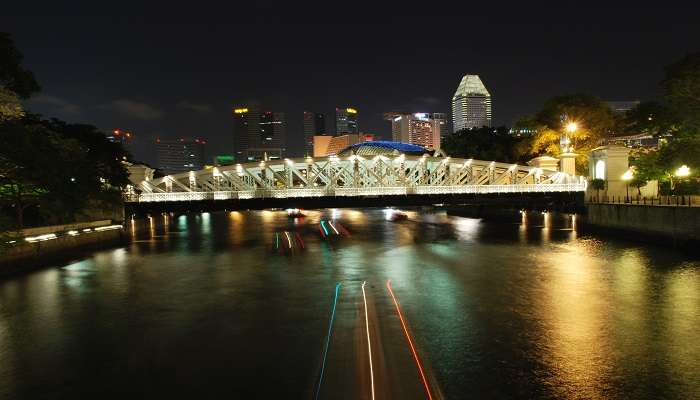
{"x": 673, "y": 224}
{"x": 33, "y": 248}
{"x": 659, "y": 224}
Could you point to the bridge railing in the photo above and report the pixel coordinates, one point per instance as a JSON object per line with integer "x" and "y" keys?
{"x": 290, "y": 193}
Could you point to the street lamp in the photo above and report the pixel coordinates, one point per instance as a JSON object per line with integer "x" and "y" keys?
{"x": 627, "y": 177}
{"x": 571, "y": 127}
{"x": 683, "y": 171}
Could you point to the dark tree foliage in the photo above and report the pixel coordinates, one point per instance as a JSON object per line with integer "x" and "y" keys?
{"x": 682, "y": 89}
{"x": 651, "y": 118}
{"x": 61, "y": 168}
{"x": 483, "y": 144}
{"x": 13, "y": 76}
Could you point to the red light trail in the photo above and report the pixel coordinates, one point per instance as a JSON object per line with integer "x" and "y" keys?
{"x": 410, "y": 341}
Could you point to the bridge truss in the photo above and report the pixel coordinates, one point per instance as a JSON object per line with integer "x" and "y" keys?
{"x": 353, "y": 176}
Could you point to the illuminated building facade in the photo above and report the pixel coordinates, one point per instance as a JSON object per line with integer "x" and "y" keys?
{"x": 180, "y": 155}
{"x": 326, "y": 145}
{"x": 258, "y": 135}
{"x": 421, "y": 129}
{"x": 471, "y": 104}
{"x": 314, "y": 124}
{"x": 346, "y": 121}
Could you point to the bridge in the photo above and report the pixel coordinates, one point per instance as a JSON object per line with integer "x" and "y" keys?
{"x": 356, "y": 181}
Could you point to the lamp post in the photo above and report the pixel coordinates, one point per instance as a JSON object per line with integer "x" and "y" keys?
{"x": 627, "y": 177}
{"x": 682, "y": 172}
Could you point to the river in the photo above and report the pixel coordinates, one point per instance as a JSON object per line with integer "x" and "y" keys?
{"x": 240, "y": 305}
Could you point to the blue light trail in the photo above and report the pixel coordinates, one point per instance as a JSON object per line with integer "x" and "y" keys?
{"x": 328, "y": 340}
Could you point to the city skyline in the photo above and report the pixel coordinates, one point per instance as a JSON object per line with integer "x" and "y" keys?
{"x": 160, "y": 93}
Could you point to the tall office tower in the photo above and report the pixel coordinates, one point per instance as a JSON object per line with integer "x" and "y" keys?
{"x": 346, "y": 121}
{"x": 180, "y": 155}
{"x": 246, "y": 125}
{"x": 471, "y": 104}
{"x": 416, "y": 128}
{"x": 314, "y": 124}
{"x": 441, "y": 118}
{"x": 258, "y": 135}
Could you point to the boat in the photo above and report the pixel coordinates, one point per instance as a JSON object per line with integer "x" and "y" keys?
{"x": 295, "y": 213}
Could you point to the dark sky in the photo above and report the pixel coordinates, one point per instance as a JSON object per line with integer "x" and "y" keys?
{"x": 173, "y": 71}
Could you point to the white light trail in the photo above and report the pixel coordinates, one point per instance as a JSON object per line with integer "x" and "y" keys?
{"x": 369, "y": 343}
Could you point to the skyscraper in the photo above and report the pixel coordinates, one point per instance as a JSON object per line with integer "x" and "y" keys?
{"x": 314, "y": 124}
{"x": 180, "y": 155}
{"x": 258, "y": 134}
{"x": 471, "y": 104}
{"x": 441, "y": 119}
{"x": 417, "y": 128}
{"x": 124, "y": 138}
{"x": 346, "y": 121}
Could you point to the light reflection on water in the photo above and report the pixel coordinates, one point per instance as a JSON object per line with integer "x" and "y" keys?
{"x": 524, "y": 309}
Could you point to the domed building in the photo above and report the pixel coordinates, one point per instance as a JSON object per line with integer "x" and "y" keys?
{"x": 383, "y": 148}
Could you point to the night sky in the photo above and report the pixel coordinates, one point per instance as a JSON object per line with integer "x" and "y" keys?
{"x": 174, "y": 71}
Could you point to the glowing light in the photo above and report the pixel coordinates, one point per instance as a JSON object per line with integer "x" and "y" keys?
{"x": 301, "y": 242}
{"x": 72, "y": 233}
{"x": 410, "y": 342}
{"x": 289, "y": 242}
{"x": 351, "y": 110}
{"x": 683, "y": 171}
{"x": 571, "y": 127}
{"x": 277, "y": 240}
{"x": 40, "y": 238}
{"x": 328, "y": 339}
{"x": 107, "y": 228}
{"x": 323, "y": 225}
{"x": 240, "y": 110}
{"x": 628, "y": 175}
{"x": 331, "y": 224}
{"x": 369, "y": 342}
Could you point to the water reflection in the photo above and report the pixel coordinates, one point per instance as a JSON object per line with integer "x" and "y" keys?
{"x": 516, "y": 309}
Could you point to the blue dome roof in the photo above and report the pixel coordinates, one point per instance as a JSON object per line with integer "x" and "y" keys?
{"x": 382, "y": 147}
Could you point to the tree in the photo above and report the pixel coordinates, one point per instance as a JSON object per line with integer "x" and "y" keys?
{"x": 13, "y": 76}
{"x": 61, "y": 167}
{"x": 10, "y": 106}
{"x": 483, "y": 144}
{"x": 651, "y": 118}
{"x": 682, "y": 89}
{"x": 593, "y": 118}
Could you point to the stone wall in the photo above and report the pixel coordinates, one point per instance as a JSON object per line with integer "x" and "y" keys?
{"x": 674, "y": 223}
{"x": 24, "y": 256}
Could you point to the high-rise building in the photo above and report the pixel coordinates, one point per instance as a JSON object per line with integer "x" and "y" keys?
{"x": 445, "y": 126}
{"x": 415, "y": 128}
{"x": 257, "y": 134}
{"x": 122, "y": 137}
{"x": 471, "y": 104}
{"x": 180, "y": 155}
{"x": 346, "y": 121}
{"x": 314, "y": 124}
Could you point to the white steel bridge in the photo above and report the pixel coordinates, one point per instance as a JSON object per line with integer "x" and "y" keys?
{"x": 353, "y": 176}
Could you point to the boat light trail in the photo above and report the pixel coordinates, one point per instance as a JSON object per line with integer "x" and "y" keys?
{"x": 301, "y": 242}
{"x": 369, "y": 343}
{"x": 277, "y": 240}
{"x": 324, "y": 227}
{"x": 410, "y": 341}
{"x": 328, "y": 339}
{"x": 289, "y": 242}
{"x": 331, "y": 224}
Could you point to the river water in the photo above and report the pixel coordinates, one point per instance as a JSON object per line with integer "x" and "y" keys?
{"x": 238, "y": 305}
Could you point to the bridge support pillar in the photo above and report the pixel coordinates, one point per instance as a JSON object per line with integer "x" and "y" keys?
{"x": 567, "y": 163}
